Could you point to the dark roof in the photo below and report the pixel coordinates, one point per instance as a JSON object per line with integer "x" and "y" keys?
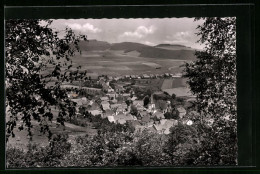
{"x": 135, "y": 123}
{"x": 146, "y": 118}
{"x": 109, "y": 112}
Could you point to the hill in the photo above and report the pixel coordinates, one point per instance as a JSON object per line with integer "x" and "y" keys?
{"x": 93, "y": 45}
{"x": 164, "y": 51}
{"x": 173, "y": 47}
{"x": 155, "y": 52}
{"x": 128, "y": 46}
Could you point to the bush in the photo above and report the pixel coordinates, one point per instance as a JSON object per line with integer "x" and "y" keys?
{"x": 15, "y": 158}
{"x": 36, "y": 156}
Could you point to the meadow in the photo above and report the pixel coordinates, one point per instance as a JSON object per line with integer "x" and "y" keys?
{"x": 117, "y": 63}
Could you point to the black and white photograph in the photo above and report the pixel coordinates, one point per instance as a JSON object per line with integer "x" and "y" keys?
{"x": 121, "y": 92}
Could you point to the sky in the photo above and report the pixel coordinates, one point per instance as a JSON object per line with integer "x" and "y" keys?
{"x": 149, "y": 31}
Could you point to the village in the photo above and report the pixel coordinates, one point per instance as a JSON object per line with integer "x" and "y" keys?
{"x": 138, "y": 100}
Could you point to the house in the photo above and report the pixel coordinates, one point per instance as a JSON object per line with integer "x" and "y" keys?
{"x": 151, "y": 106}
{"x": 107, "y": 113}
{"x": 114, "y": 106}
{"x": 168, "y": 124}
{"x": 131, "y": 116}
{"x": 111, "y": 95}
{"x": 139, "y": 128}
{"x": 95, "y": 112}
{"x": 121, "y": 121}
{"x": 142, "y": 114}
{"x": 133, "y": 76}
{"x": 110, "y": 78}
{"x": 145, "y": 119}
{"x": 151, "y": 129}
{"x": 140, "y": 108}
{"x": 158, "y": 115}
{"x": 120, "y": 109}
{"x": 133, "y": 98}
{"x": 105, "y": 106}
{"x": 94, "y": 106}
{"x": 104, "y": 98}
{"x": 80, "y": 101}
{"x": 122, "y": 118}
{"x": 110, "y": 89}
{"x": 119, "y": 88}
{"x": 145, "y": 76}
{"x": 104, "y": 102}
{"x": 72, "y": 95}
{"x": 149, "y": 124}
{"x": 163, "y": 121}
{"x": 111, "y": 119}
{"x": 101, "y": 81}
{"x": 105, "y": 87}
{"x": 93, "y": 91}
{"x": 135, "y": 123}
{"x": 138, "y": 102}
{"x": 114, "y": 101}
{"x": 182, "y": 111}
{"x": 162, "y": 128}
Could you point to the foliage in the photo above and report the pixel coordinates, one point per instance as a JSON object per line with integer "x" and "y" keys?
{"x": 35, "y": 57}
{"x": 146, "y": 100}
{"x": 100, "y": 150}
{"x": 174, "y": 114}
{"x": 182, "y": 140}
{"x": 140, "y": 93}
{"x": 212, "y": 78}
{"x": 49, "y": 156}
{"x": 149, "y": 148}
{"x": 133, "y": 110}
{"x": 163, "y": 96}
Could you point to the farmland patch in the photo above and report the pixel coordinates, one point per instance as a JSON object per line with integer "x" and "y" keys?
{"x": 151, "y": 64}
{"x": 119, "y": 68}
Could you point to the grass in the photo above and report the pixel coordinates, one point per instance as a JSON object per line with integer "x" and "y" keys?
{"x": 21, "y": 139}
{"x": 115, "y": 63}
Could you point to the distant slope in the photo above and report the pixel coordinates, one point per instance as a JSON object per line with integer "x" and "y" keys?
{"x": 141, "y": 50}
{"x": 173, "y": 47}
{"x": 92, "y": 45}
{"x": 154, "y": 52}
{"x": 128, "y": 46}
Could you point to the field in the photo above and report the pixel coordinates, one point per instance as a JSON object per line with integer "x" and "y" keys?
{"x": 173, "y": 83}
{"x": 21, "y": 140}
{"x": 117, "y": 63}
{"x": 114, "y": 63}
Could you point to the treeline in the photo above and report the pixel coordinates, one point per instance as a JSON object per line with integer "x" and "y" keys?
{"x": 184, "y": 146}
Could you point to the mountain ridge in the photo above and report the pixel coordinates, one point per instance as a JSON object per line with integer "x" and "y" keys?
{"x": 144, "y": 50}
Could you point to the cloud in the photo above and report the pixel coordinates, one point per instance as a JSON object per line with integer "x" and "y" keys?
{"x": 180, "y": 36}
{"x": 140, "y": 32}
{"x": 149, "y": 43}
{"x": 184, "y": 42}
{"x": 85, "y": 27}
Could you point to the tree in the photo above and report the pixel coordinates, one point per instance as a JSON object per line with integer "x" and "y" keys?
{"x": 212, "y": 78}
{"x": 146, "y": 101}
{"x": 174, "y": 114}
{"x": 173, "y": 96}
{"x": 181, "y": 140}
{"x": 133, "y": 110}
{"x": 35, "y": 61}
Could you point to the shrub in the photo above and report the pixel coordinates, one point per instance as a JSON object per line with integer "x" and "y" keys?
{"x": 15, "y": 158}
{"x": 36, "y": 156}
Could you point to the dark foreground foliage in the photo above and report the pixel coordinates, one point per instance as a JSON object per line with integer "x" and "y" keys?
{"x": 37, "y": 156}
{"x": 184, "y": 146}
